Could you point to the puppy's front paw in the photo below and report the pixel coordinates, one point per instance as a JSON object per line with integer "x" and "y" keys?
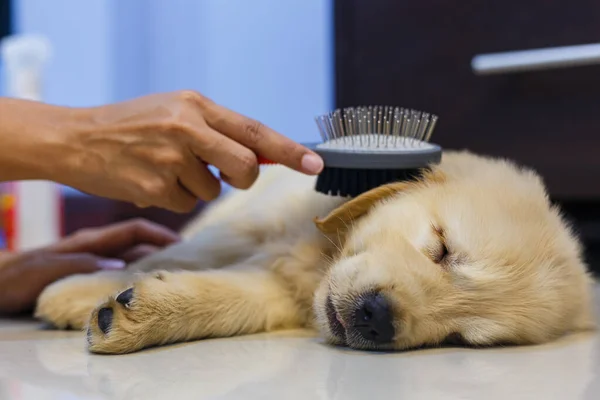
{"x": 143, "y": 315}
{"x": 67, "y": 304}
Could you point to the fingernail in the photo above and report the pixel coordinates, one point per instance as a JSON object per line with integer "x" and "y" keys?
{"x": 111, "y": 264}
{"x": 312, "y": 163}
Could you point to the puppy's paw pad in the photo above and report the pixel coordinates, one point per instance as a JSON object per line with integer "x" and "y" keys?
{"x": 125, "y": 298}
{"x": 105, "y": 319}
{"x": 127, "y": 321}
{"x": 105, "y": 332}
{"x": 117, "y": 325}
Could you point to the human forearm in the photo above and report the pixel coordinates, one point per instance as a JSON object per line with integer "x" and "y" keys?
{"x": 34, "y": 140}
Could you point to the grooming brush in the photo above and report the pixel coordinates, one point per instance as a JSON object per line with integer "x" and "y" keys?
{"x": 366, "y": 147}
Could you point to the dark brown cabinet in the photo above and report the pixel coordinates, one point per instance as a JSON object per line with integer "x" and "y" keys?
{"x": 5, "y": 18}
{"x": 418, "y": 54}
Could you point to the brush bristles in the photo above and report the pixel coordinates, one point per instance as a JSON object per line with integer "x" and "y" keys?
{"x": 347, "y": 182}
{"x": 376, "y": 131}
{"x": 355, "y": 125}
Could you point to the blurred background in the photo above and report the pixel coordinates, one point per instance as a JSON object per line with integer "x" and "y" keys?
{"x": 269, "y": 59}
{"x": 284, "y": 62}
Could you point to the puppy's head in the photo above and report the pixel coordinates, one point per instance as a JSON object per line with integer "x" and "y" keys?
{"x": 473, "y": 252}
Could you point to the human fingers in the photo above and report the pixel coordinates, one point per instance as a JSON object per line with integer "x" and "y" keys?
{"x": 198, "y": 180}
{"x": 263, "y": 140}
{"x": 238, "y": 164}
{"x": 138, "y": 252}
{"x": 117, "y": 238}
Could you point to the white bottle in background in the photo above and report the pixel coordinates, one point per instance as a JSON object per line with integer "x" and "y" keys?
{"x": 38, "y": 205}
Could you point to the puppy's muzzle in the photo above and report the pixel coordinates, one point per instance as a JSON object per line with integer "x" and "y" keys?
{"x": 373, "y": 319}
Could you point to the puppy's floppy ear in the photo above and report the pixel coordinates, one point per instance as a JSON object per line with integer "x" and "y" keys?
{"x": 341, "y": 218}
{"x": 338, "y": 221}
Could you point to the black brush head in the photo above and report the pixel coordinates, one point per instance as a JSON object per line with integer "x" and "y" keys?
{"x": 353, "y": 172}
{"x": 351, "y": 182}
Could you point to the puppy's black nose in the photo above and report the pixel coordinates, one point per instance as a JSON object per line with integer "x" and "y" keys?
{"x": 373, "y": 319}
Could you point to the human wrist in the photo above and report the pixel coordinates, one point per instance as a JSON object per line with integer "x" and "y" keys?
{"x": 36, "y": 140}
{"x": 68, "y": 145}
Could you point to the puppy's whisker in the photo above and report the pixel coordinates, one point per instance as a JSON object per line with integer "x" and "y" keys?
{"x": 345, "y": 223}
{"x": 327, "y": 257}
{"x": 334, "y": 244}
{"x": 353, "y": 227}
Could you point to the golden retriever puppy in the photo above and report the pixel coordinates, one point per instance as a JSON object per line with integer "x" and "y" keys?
{"x": 472, "y": 251}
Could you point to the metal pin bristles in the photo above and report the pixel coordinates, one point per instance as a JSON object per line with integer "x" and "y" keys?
{"x": 377, "y": 126}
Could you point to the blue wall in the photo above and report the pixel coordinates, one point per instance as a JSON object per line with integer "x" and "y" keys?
{"x": 270, "y": 59}
{"x": 81, "y": 71}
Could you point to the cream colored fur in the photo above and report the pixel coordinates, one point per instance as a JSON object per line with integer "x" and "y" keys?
{"x": 257, "y": 262}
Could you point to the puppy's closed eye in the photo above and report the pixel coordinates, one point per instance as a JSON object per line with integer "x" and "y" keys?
{"x": 441, "y": 254}
{"x": 439, "y": 251}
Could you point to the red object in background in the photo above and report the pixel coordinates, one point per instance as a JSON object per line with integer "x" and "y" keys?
{"x": 10, "y": 226}
{"x": 265, "y": 161}
{"x": 10, "y": 219}
{"x": 8, "y": 214}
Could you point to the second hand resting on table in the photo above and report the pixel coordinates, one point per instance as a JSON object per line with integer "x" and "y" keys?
{"x": 24, "y": 275}
{"x": 150, "y": 151}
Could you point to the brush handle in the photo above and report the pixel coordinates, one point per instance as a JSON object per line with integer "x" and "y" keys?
{"x": 265, "y": 161}
{"x": 367, "y": 159}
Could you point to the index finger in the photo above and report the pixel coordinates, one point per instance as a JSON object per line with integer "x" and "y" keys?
{"x": 117, "y": 238}
{"x": 263, "y": 140}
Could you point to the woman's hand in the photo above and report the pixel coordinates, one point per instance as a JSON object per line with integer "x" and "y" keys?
{"x": 23, "y": 276}
{"x": 151, "y": 151}
{"x": 154, "y": 150}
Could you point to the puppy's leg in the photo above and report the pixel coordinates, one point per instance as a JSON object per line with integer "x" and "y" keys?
{"x": 68, "y": 303}
{"x": 169, "y": 307}
{"x": 214, "y": 247}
